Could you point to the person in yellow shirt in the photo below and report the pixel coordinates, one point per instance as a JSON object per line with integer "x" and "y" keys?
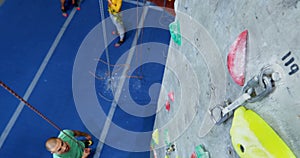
{"x": 114, "y": 9}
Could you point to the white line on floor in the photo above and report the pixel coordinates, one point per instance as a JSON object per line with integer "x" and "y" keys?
{"x": 119, "y": 87}
{"x": 36, "y": 78}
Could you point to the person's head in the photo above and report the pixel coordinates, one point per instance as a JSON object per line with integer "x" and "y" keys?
{"x": 57, "y": 146}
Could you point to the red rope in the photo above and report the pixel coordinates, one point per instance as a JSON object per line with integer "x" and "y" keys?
{"x": 37, "y": 111}
{"x": 29, "y": 105}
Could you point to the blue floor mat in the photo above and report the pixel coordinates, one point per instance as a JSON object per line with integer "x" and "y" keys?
{"x": 28, "y": 30}
{"x": 20, "y": 56}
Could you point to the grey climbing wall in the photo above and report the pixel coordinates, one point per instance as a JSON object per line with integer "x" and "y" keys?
{"x": 196, "y": 72}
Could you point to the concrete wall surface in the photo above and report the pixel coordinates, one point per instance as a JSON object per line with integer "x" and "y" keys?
{"x": 196, "y": 73}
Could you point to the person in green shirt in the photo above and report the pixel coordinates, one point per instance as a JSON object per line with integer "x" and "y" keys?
{"x": 66, "y": 145}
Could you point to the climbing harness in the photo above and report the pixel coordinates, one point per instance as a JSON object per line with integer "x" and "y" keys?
{"x": 256, "y": 89}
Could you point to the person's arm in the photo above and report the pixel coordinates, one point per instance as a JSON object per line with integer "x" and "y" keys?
{"x": 79, "y": 133}
{"x": 109, "y": 2}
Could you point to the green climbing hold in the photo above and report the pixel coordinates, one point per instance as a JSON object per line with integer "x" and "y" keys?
{"x": 175, "y": 32}
{"x": 200, "y": 152}
{"x": 166, "y": 137}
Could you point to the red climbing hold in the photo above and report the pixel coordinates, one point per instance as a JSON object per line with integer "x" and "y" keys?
{"x": 194, "y": 155}
{"x": 171, "y": 96}
{"x": 168, "y": 106}
{"x": 236, "y": 59}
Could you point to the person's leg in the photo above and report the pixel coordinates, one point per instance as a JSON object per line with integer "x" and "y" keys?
{"x": 115, "y": 32}
{"x": 62, "y": 4}
{"x": 75, "y": 3}
{"x": 63, "y": 9}
{"x": 117, "y": 20}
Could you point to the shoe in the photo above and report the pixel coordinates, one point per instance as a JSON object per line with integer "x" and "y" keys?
{"x": 64, "y": 13}
{"x": 76, "y": 6}
{"x": 119, "y": 43}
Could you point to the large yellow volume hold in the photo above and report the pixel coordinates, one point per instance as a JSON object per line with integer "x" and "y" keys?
{"x": 252, "y": 137}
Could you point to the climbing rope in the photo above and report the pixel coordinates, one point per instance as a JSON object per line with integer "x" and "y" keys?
{"x": 105, "y": 37}
{"x": 139, "y": 56}
{"x": 38, "y": 112}
{"x": 30, "y": 106}
{"x": 107, "y": 62}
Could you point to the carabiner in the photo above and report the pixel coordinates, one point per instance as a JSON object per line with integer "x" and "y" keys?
{"x": 259, "y": 86}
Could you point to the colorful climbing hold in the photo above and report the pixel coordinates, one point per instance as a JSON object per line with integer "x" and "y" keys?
{"x": 153, "y": 152}
{"x": 236, "y": 59}
{"x": 171, "y": 96}
{"x": 193, "y": 155}
{"x": 251, "y": 136}
{"x": 166, "y": 137}
{"x": 155, "y": 136}
{"x": 175, "y": 32}
{"x": 200, "y": 152}
{"x": 168, "y": 107}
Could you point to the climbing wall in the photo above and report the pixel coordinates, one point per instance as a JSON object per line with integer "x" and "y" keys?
{"x": 216, "y": 48}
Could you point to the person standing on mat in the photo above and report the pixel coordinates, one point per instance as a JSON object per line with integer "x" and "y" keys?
{"x": 67, "y": 146}
{"x": 114, "y": 9}
{"x": 63, "y": 9}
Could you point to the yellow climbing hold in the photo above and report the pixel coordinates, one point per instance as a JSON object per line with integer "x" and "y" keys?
{"x": 252, "y": 137}
{"x": 155, "y": 136}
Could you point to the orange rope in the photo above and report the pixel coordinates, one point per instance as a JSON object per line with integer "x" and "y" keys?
{"x": 119, "y": 68}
